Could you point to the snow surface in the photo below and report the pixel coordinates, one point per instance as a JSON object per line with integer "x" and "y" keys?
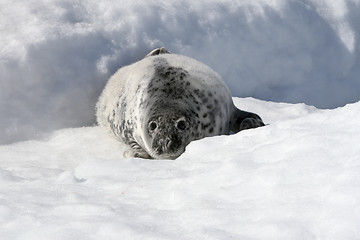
{"x": 56, "y": 55}
{"x": 296, "y": 178}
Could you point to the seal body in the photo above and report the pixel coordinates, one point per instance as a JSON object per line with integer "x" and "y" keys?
{"x": 160, "y": 104}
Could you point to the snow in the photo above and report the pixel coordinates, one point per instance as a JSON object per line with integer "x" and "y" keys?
{"x": 56, "y": 55}
{"x": 296, "y": 178}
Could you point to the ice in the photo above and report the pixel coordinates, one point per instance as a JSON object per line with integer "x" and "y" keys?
{"x": 296, "y": 178}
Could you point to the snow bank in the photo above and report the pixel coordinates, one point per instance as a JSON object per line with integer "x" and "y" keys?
{"x": 297, "y": 178}
{"x": 56, "y": 55}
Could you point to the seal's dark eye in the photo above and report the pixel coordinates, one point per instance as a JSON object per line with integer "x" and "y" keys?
{"x": 181, "y": 125}
{"x": 152, "y": 126}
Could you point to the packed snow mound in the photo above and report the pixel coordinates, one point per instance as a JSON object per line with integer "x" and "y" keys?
{"x": 56, "y": 55}
{"x": 296, "y": 178}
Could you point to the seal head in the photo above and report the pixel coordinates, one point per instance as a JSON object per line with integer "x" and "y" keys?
{"x": 167, "y": 134}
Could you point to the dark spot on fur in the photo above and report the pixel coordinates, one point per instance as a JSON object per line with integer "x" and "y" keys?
{"x": 205, "y": 115}
{"x": 205, "y": 126}
{"x": 211, "y": 130}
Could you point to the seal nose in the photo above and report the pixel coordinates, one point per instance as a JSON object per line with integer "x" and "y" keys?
{"x": 165, "y": 146}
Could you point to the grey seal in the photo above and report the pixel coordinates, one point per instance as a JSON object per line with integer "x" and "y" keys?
{"x": 161, "y": 103}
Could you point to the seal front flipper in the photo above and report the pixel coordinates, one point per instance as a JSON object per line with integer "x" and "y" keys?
{"x": 136, "y": 151}
{"x": 242, "y": 120}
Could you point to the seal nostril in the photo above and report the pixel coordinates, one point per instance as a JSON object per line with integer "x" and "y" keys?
{"x": 168, "y": 144}
{"x": 159, "y": 150}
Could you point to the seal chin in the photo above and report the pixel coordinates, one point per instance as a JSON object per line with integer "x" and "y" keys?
{"x": 156, "y": 154}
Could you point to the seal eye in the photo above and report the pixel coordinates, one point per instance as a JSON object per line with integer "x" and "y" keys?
{"x": 152, "y": 126}
{"x": 181, "y": 125}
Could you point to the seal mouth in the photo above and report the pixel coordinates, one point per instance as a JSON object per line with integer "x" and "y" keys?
{"x": 166, "y": 151}
{"x": 170, "y": 156}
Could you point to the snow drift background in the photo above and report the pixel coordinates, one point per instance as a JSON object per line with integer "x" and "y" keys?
{"x": 56, "y": 55}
